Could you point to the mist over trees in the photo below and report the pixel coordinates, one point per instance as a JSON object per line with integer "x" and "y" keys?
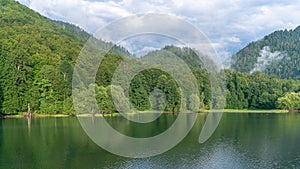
{"x": 284, "y": 43}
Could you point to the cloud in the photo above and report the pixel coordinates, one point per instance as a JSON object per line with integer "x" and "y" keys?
{"x": 154, "y": 31}
{"x": 142, "y": 44}
{"x": 90, "y": 15}
{"x": 25, "y": 2}
{"x": 230, "y": 24}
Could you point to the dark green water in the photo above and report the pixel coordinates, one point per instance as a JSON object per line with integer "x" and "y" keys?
{"x": 241, "y": 141}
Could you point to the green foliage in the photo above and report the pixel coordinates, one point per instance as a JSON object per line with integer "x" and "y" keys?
{"x": 289, "y": 101}
{"x": 1, "y": 99}
{"x": 107, "y": 104}
{"x": 284, "y": 41}
{"x": 157, "y": 100}
{"x": 81, "y": 34}
{"x": 68, "y": 107}
{"x": 194, "y": 103}
{"x": 120, "y": 101}
{"x": 104, "y": 100}
{"x": 37, "y": 58}
{"x": 256, "y": 91}
{"x": 32, "y": 48}
{"x": 154, "y": 89}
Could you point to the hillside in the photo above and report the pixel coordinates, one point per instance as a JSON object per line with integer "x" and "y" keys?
{"x": 36, "y": 60}
{"x": 84, "y": 36}
{"x": 243, "y": 91}
{"x": 34, "y": 65}
{"x": 276, "y": 54}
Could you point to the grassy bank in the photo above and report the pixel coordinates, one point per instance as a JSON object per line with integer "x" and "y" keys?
{"x": 249, "y": 111}
{"x": 21, "y": 115}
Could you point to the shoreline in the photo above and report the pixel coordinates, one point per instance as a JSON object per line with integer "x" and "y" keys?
{"x": 22, "y": 115}
{"x": 275, "y": 111}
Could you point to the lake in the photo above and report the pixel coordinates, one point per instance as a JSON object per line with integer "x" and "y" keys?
{"x": 241, "y": 141}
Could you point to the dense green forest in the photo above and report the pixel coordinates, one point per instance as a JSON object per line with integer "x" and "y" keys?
{"x": 37, "y": 69}
{"x": 36, "y": 60}
{"x": 281, "y": 57}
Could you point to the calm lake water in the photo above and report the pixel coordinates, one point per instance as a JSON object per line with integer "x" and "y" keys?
{"x": 241, "y": 141}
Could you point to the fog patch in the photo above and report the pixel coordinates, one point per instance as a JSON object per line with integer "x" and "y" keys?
{"x": 266, "y": 57}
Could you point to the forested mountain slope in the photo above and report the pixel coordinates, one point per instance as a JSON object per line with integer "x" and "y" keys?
{"x": 277, "y": 54}
{"x": 243, "y": 90}
{"x": 37, "y": 56}
{"x": 36, "y": 59}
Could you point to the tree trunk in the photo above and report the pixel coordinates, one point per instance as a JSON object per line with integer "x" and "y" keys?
{"x": 28, "y": 110}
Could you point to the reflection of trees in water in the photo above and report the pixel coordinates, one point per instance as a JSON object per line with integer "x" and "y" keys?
{"x": 1, "y": 132}
{"x": 1, "y": 101}
{"x": 28, "y": 123}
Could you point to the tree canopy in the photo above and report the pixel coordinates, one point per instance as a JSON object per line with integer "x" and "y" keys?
{"x": 283, "y": 44}
{"x": 289, "y": 101}
{"x": 38, "y": 55}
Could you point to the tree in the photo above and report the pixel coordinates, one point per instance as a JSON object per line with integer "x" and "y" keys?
{"x": 157, "y": 100}
{"x": 290, "y": 101}
{"x": 66, "y": 70}
{"x": 1, "y": 99}
{"x": 194, "y": 103}
{"x": 120, "y": 101}
{"x": 68, "y": 107}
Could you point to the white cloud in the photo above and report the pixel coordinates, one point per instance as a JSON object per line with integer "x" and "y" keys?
{"x": 234, "y": 39}
{"x": 90, "y": 15}
{"x": 229, "y": 24}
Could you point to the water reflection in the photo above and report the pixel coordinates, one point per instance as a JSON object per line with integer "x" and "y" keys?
{"x": 212, "y": 121}
{"x": 28, "y": 122}
{"x": 240, "y": 141}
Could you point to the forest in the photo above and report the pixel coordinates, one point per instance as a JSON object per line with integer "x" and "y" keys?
{"x": 37, "y": 70}
{"x": 282, "y": 57}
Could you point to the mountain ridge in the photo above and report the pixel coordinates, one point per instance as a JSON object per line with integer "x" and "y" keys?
{"x": 278, "y": 52}
{"x": 38, "y": 54}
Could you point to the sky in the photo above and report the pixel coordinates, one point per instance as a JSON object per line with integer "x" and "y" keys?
{"x": 229, "y": 24}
